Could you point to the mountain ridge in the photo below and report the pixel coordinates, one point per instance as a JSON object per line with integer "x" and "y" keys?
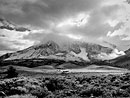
{"x": 50, "y": 49}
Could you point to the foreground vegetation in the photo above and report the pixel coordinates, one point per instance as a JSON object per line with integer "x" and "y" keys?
{"x": 66, "y": 86}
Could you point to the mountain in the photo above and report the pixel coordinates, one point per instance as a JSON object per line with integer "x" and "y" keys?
{"x": 121, "y": 61}
{"x": 76, "y": 51}
{"x": 5, "y": 24}
{"x": 127, "y": 52}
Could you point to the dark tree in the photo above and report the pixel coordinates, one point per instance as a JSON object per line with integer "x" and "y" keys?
{"x": 11, "y": 72}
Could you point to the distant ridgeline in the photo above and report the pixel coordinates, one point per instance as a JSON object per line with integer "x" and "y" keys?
{"x": 77, "y": 53}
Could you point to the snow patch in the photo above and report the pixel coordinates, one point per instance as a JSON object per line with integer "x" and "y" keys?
{"x": 82, "y": 54}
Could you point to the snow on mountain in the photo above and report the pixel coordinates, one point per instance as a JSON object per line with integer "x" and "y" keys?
{"x": 83, "y": 54}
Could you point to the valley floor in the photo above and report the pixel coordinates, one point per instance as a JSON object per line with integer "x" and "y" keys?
{"x": 92, "y": 69}
{"x": 96, "y": 81}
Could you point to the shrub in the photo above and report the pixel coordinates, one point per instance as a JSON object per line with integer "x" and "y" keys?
{"x": 55, "y": 84}
{"x": 91, "y": 91}
{"x": 107, "y": 95}
{"x": 40, "y": 92}
{"x": 17, "y": 90}
{"x": 121, "y": 93}
{"x": 11, "y": 72}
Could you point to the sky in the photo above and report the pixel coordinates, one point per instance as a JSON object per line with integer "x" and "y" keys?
{"x": 104, "y": 22}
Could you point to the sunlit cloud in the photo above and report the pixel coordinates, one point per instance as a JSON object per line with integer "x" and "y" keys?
{"x": 14, "y": 39}
{"x": 110, "y": 34}
{"x": 72, "y": 36}
{"x": 46, "y": 31}
{"x": 112, "y": 23}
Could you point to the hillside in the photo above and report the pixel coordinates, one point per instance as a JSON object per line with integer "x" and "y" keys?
{"x": 122, "y": 61}
{"x": 76, "y": 51}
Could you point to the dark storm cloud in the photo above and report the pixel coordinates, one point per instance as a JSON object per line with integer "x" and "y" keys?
{"x": 22, "y": 11}
{"x": 41, "y": 12}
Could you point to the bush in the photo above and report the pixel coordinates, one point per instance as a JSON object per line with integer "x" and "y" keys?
{"x": 40, "y": 92}
{"x": 11, "y": 72}
{"x": 121, "y": 93}
{"x": 91, "y": 91}
{"x": 68, "y": 87}
{"x": 55, "y": 84}
{"x": 17, "y": 90}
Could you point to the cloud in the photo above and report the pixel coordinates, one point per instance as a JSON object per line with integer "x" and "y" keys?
{"x": 116, "y": 53}
{"x": 75, "y": 37}
{"x": 16, "y": 6}
{"x": 112, "y": 23}
{"x": 80, "y": 20}
{"x": 97, "y": 21}
{"x": 13, "y": 40}
{"x": 39, "y": 12}
{"x": 85, "y": 20}
{"x": 122, "y": 33}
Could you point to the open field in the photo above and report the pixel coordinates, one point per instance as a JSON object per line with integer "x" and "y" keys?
{"x": 92, "y": 70}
